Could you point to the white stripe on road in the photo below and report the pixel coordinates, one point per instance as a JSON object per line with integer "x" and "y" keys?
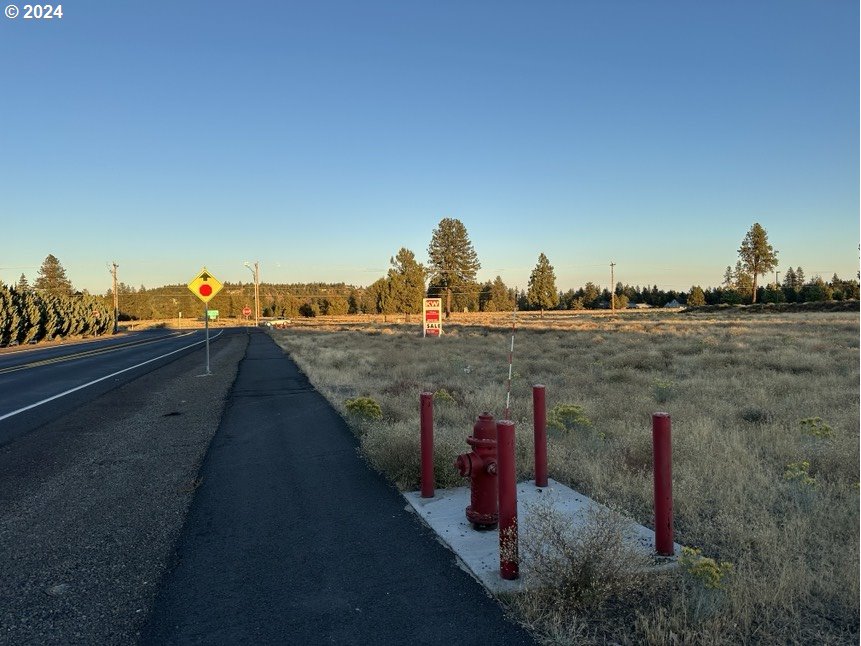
{"x": 95, "y": 381}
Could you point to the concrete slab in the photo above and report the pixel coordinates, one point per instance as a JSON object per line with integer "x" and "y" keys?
{"x": 478, "y": 551}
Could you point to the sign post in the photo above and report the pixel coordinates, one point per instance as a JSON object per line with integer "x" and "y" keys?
{"x": 431, "y": 317}
{"x": 205, "y": 286}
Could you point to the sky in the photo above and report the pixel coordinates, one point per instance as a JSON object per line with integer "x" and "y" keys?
{"x": 318, "y": 138}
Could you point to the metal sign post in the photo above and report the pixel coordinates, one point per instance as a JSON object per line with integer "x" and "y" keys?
{"x": 206, "y": 326}
{"x": 205, "y": 286}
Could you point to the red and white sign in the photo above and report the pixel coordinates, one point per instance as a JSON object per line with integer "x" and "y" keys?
{"x": 432, "y": 317}
{"x": 246, "y": 311}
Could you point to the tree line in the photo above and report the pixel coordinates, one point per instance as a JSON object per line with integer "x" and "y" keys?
{"x": 49, "y": 309}
{"x": 451, "y": 275}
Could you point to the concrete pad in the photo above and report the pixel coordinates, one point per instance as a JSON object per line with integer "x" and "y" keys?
{"x": 478, "y": 551}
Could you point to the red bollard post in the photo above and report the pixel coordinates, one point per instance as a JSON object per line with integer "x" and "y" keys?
{"x": 427, "y": 476}
{"x": 539, "y": 416}
{"x": 662, "y": 452}
{"x": 508, "y": 543}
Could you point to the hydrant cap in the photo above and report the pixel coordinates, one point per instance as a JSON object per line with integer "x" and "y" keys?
{"x": 485, "y": 427}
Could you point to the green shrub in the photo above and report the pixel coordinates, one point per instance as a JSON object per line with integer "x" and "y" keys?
{"x": 815, "y": 427}
{"x": 364, "y": 408}
{"x": 444, "y": 396}
{"x": 799, "y": 472}
{"x": 702, "y": 569}
{"x": 568, "y": 417}
{"x": 663, "y": 389}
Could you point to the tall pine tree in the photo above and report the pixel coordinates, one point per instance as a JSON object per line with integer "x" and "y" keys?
{"x": 406, "y": 283}
{"x": 757, "y": 257}
{"x": 52, "y": 278}
{"x": 453, "y": 261}
{"x": 542, "y": 293}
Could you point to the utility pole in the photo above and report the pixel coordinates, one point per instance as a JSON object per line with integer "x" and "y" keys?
{"x": 612, "y": 287}
{"x": 256, "y": 272}
{"x": 116, "y": 296}
{"x": 776, "y": 280}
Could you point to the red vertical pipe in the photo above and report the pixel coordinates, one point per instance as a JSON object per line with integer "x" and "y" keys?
{"x": 427, "y": 445}
{"x": 508, "y": 552}
{"x": 663, "y": 483}
{"x": 539, "y": 415}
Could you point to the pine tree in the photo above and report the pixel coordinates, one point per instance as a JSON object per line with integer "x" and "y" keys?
{"x": 696, "y": 297}
{"x": 52, "y": 278}
{"x": 406, "y": 283}
{"x": 542, "y": 292}
{"x": 23, "y": 284}
{"x": 743, "y": 282}
{"x": 453, "y": 261}
{"x": 757, "y": 256}
{"x": 501, "y": 296}
{"x": 799, "y": 278}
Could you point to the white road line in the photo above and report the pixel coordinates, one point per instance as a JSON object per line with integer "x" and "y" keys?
{"x": 95, "y": 381}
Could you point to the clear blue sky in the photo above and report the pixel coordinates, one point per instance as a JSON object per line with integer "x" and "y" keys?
{"x": 320, "y": 137}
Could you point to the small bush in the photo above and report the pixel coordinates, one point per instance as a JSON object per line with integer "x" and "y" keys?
{"x": 579, "y": 569}
{"x": 702, "y": 569}
{"x": 756, "y": 415}
{"x": 364, "y": 408}
{"x": 663, "y": 390}
{"x": 444, "y": 397}
{"x": 568, "y": 417}
{"x": 799, "y": 472}
{"x": 815, "y": 427}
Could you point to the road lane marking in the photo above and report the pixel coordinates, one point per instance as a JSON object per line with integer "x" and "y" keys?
{"x": 95, "y": 381}
{"x": 88, "y": 353}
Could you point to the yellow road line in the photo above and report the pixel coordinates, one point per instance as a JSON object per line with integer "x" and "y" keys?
{"x": 87, "y": 353}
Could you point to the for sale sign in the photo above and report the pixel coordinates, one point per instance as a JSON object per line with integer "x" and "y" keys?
{"x": 432, "y": 317}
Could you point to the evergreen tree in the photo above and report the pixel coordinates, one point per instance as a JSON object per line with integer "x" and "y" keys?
{"x": 453, "y": 261}
{"x": 23, "y": 285}
{"x": 696, "y": 297}
{"x": 757, "y": 256}
{"x": 52, "y": 278}
{"x": 500, "y": 296}
{"x": 743, "y": 282}
{"x": 799, "y": 278}
{"x": 542, "y": 293}
{"x": 406, "y": 283}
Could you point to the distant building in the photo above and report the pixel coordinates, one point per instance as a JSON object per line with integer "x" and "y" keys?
{"x": 673, "y": 304}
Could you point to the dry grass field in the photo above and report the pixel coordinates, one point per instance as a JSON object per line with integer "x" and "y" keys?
{"x": 765, "y": 416}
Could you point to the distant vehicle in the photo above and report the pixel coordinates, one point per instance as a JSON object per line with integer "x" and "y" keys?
{"x": 277, "y": 323}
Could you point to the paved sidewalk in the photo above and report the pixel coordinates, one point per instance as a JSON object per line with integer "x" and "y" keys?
{"x": 293, "y": 539}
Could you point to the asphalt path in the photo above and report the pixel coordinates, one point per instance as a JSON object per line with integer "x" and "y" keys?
{"x": 293, "y": 539}
{"x": 38, "y": 385}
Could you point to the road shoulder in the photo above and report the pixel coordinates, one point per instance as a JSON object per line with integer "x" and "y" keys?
{"x": 91, "y": 504}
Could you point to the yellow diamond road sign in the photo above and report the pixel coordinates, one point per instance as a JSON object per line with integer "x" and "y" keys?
{"x": 205, "y": 286}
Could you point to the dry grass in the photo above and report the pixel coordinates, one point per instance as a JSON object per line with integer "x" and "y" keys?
{"x": 737, "y": 387}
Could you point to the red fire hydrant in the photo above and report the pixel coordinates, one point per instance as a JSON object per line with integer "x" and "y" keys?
{"x": 480, "y": 465}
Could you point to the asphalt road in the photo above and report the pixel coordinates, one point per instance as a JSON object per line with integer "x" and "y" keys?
{"x": 293, "y": 539}
{"x": 161, "y": 507}
{"x": 93, "y": 500}
{"x": 38, "y": 385}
